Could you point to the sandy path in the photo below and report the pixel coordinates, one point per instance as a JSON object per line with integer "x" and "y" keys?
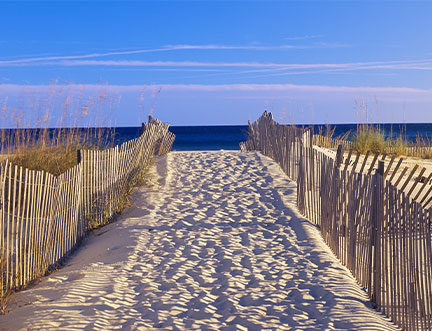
{"x": 218, "y": 245}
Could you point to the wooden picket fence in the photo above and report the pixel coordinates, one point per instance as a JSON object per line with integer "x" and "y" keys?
{"x": 286, "y": 150}
{"x": 329, "y": 142}
{"x": 372, "y": 221}
{"x": 43, "y": 217}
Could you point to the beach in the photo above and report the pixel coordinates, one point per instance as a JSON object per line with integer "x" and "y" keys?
{"x": 214, "y": 241}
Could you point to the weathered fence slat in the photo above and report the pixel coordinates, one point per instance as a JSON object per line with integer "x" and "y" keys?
{"x": 389, "y": 165}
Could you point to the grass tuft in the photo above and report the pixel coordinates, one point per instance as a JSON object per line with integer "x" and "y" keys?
{"x": 369, "y": 138}
{"x": 52, "y": 150}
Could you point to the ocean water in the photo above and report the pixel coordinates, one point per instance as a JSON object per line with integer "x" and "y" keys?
{"x": 192, "y": 138}
{"x": 228, "y": 137}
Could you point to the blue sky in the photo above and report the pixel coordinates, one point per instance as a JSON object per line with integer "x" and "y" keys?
{"x": 224, "y": 62}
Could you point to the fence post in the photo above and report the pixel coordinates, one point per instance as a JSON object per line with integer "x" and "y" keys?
{"x": 377, "y": 219}
{"x": 142, "y": 127}
{"x": 78, "y": 156}
{"x": 339, "y": 156}
{"x": 311, "y": 159}
{"x": 301, "y": 177}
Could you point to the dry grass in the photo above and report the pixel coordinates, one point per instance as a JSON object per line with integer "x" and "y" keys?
{"x": 369, "y": 138}
{"x": 33, "y": 145}
{"x": 372, "y": 138}
{"x": 326, "y": 136}
{"x": 421, "y": 148}
{"x": 54, "y": 151}
{"x": 5, "y": 293}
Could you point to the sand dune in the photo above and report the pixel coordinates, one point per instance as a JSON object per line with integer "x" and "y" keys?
{"x": 216, "y": 244}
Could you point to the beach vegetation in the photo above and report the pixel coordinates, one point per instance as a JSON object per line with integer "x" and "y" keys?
{"x": 369, "y": 138}
{"x": 53, "y": 150}
{"x": 326, "y": 136}
{"x": 399, "y": 146}
{"x": 64, "y": 124}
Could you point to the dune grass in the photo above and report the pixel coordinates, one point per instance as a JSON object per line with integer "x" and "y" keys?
{"x": 64, "y": 123}
{"x": 369, "y": 138}
{"x": 326, "y": 133}
{"x": 55, "y": 150}
{"x": 372, "y": 138}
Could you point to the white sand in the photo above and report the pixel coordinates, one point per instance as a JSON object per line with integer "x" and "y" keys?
{"x": 217, "y": 245}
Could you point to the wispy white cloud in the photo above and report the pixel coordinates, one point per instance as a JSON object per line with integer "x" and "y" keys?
{"x": 261, "y": 69}
{"x": 179, "y": 69}
{"x": 265, "y": 69}
{"x": 242, "y": 101}
{"x": 220, "y": 87}
{"x": 43, "y": 59}
{"x": 284, "y": 87}
{"x": 172, "y": 48}
{"x": 179, "y": 64}
{"x": 229, "y": 47}
{"x": 167, "y": 48}
{"x": 342, "y": 68}
{"x": 313, "y": 36}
